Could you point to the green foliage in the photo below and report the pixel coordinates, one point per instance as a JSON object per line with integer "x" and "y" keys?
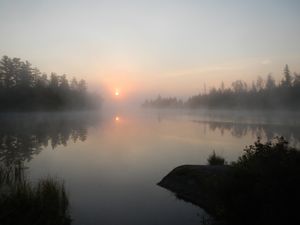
{"x": 214, "y": 160}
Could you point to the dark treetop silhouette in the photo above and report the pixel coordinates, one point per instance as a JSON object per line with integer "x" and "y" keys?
{"x": 262, "y": 94}
{"x": 24, "y": 88}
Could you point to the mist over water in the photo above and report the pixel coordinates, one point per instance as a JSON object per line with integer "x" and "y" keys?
{"x": 111, "y": 160}
{"x": 100, "y": 100}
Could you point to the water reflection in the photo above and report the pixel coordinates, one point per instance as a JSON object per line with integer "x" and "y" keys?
{"x": 117, "y": 160}
{"x": 266, "y": 131}
{"x": 25, "y": 135}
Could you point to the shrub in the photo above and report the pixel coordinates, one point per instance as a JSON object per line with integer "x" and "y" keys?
{"x": 265, "y": 184}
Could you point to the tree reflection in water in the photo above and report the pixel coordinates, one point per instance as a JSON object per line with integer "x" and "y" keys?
{"x": 25, "y": 135}
{"x": 21, "y": 137}
{"x": 267, "y": 131}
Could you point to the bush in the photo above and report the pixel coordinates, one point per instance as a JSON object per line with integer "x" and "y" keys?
{"x": 214, "y": 160}
{"x": 264, "y": 187}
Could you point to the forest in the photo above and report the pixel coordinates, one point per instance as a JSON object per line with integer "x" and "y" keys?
{"x": 161, "y": 102}
{"x": 25, "y": 88}
{"x": 261, "y": 94}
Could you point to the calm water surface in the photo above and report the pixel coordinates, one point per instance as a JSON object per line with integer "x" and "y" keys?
{"x": 111, "y": 162}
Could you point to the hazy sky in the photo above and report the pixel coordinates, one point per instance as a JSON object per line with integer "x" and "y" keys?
{"x": 143, "y": 47}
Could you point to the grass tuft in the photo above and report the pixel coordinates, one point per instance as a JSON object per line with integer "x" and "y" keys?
{"x": 21, "y": 202}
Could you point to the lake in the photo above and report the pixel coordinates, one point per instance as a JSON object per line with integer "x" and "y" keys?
{"x": 111, "y": 161}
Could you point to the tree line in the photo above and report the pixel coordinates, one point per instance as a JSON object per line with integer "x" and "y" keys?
{"x": 23, "y": 88}
{"x": 160, "y": 102}
{"x": 261, "y": 94}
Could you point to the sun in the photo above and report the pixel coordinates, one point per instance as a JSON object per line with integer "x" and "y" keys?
{"x": 117, "y": 92}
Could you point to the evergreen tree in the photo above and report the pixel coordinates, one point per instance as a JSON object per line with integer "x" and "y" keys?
{"x": 287, "y": 80}
{"x": 25, "y": 88}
